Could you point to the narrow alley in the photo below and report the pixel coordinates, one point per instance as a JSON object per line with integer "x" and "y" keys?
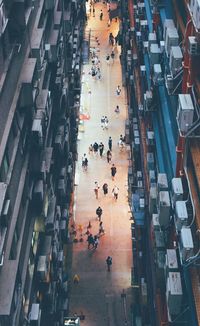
{"x": 99, "y": 294}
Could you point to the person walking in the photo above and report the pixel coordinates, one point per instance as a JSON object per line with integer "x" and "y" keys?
{"x": 105, "y": 189}
{"x": 101, "y": 149}
{"x": 115, "y": 192}
{"x": 84, "y": 162}
{"x": 101, "y": 15}
{"x": 106, "y": 122}
{"x": 109, "y": 156}
{"x": 76, "y": 279}
{"x": 101, "y": 229}
{"x": 99, "y": 212}
{"x": 118, "y": 90}
{"x": 110, "y": 143}
{"x": 95, "y": 148}
{"x": 109, "y": 263}
{"x": 103, "y": 122}
{"x": 90, "y": 149}
{"x": 90, "y": 240}
{"x": 111, "y": 39}
{"x": 117, "y": 110}
{"x": 96, "y": 242}
{"x": 93, "y": 10}
{"x": 108, "y": 58}
{"x": 113, "y": 171}
{"x": 96, "y": 189}
{"x": 112, "y": 55}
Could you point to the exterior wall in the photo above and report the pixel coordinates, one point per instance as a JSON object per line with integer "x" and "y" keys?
{"x": 37, "y": 152}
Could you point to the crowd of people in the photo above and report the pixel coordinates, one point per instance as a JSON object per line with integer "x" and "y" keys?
{"x": 98, "y": 149}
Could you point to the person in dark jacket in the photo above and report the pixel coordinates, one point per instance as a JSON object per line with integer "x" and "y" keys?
{"x": 113, "y": 171}
{"x": 110, "y": 143}
{"x": 99, "y": 212}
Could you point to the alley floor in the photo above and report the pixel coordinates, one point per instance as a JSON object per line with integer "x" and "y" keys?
{"x": 99, "y": 293}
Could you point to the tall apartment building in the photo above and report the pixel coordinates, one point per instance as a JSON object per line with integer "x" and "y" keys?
{"x": 40, "y": 61}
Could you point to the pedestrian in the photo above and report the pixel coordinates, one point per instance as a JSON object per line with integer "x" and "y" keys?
{"x": 96, "y": 242}
{"x": 96, "y": 189}
{"x": 76, "y": 279}
{"x": 105, "y": 189}
{"x": 101, "y": 15}
{"x": 84, "y": 162}
{"x": 93, "y": 10}
{"x": 109, "y": 156}
{"x": 111, "y": 39}
{"x": 108, "y": 58}
{"x": 101, "y": 229}
{"x": 106, "y": 122}
{"x": 102, "y": 121}
{"x": 113, "y": 171}
{"x": 118, "y": 90}
{"x": 99, "y": 212}
{"x": 109, "y": 263}
{"x": 115, "y": 192}
{"x": 101, "y": 149}
{"x": 95, "y": 148}
{"x": 90, "y": 240}
{"x": 90, "y": 149}
{"x": 110, "y": 143}
{"x": 112, "y": 55}
{"x": 117, "y": 110}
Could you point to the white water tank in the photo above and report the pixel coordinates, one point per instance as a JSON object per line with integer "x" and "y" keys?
{"x": 168, "y": 23}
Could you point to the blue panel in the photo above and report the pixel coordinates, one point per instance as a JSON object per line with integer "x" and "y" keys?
{"x": 190, "y": 297}
{"x": 162, "y": 15}
{"x": 168, "y": 9}
{"x": 159, "y": 152}
{"x": 149, "y": 15}
{"x": 146, "y": 62}
{"x": 168, "y": 126}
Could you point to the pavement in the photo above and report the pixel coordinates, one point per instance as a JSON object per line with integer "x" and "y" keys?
{"x": 102, "y": 297}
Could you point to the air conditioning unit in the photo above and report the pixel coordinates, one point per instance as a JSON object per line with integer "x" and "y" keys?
{"x": 169, "y": 82}
{"x": 174, "y": 293}
{"x": 154, "y": 54}
{"x": 143, "y": 70}
{"x": 175, "y": 59}
{"x": 172, "y": 39}
{"x": 141, "y": 8}
{"x": 37, "y": 132}
{"x": 143, "y": 25}
{"x": 162, "y": 182}
{"x": 185, "y": 112}
{"x": 194, "y": 46}
{"x": 181, "y": 215}
{"x": 42, "y": 268}
{"x": 152, "y": 39}
{"x": 157, "y": 71}
{"x": 171, "y": 262}
{"x": 196, "y": 14}
{"x": 187, "y": 244}
{"x": 177, "y": 190}
{"x": 35, "y": 315}
{"x": 168, "y": 23}
{"x": 155, "y": 222}
{"x": 164, "y": 208}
